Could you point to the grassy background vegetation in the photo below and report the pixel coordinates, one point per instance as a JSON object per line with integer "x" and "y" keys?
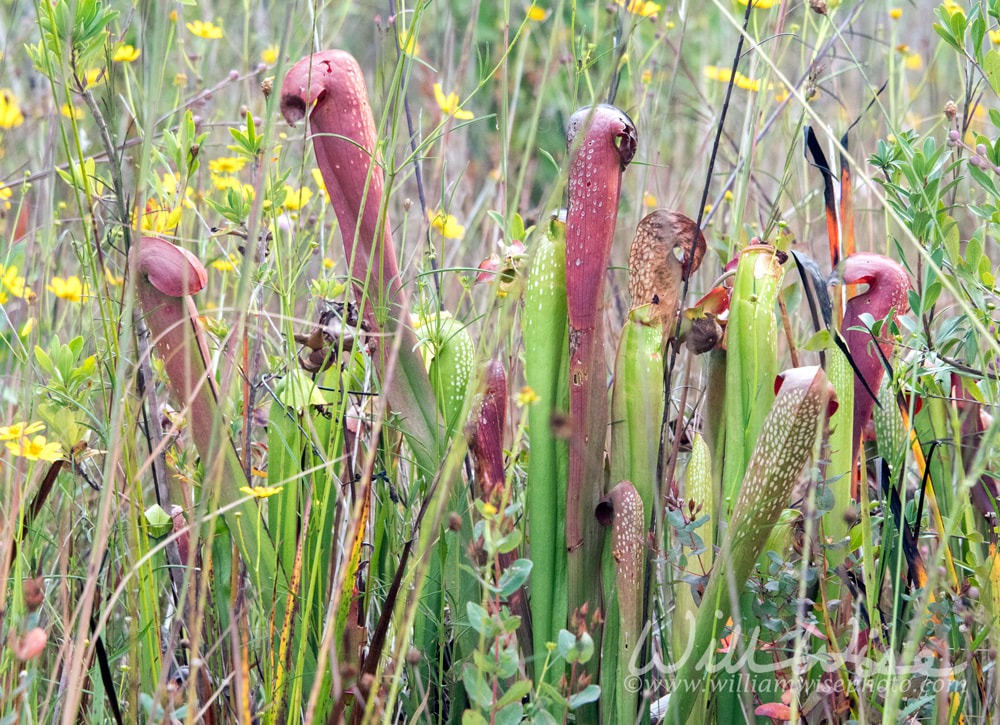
{"x": 81, "y": 551}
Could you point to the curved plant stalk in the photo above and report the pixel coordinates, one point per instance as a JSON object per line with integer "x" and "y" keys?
{"x": 804, "y": 400}
{"x": 545, "y": 330}
{"x": 330, "y": 88}
{"x": 752, "y": 361}
{"x": 657, "y": 259}
{"x": 608, "y": 144}
{"x": 166, "y": 277}
{"x": 622, "y": 509}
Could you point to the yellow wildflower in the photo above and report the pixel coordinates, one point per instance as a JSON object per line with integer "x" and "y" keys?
{"x": 181, "y": 80}
{"x": 527, "y": 396}
{"x": 5, "y": 193}
{"x": 71, "y": 288}
{"x": 269, "y": 54}
{"x": 648, "y": 200}
{"x": 896, "y": 13}
{"x": 113, "y": 279}
{"x": 724, "y": 74}
{"x": 328, "y": 263}
{"x": 10, "y": 111}
{"x": 27, "y": 327}
{"x": 15, "y": 284}
{"x": 159, "y": 219}
{"x": 204, "y": 30}
{"x": 126, "y": 54}
{"x": 762, "y": 4}
{"x": 639, "y": 7}
{"x": 409, "y": 47}
{"x": 647, "y": 76}
{"x": 489, "y": 509}
{"x": 449, "y": 104}
{"x": 296, "y": 199}
{"x": 782, "y": 95}
{"x": 728, "y": 196}
{"x": 953, "y": 7}
{"x": 226, "y": 165}
{"x": 447, "y": 224}
{"x": 226, "y": 264}
{"x": 170, "y": 189}
{"x": 20, "y": 430}
{"x": 995, "y": 37}
{"x": 93, "y": 77}
{"x": 670, "y": 25}
{"x": 71, "y": 111}
{"x": 536, "y": 13}
{"x": 261, "y": 491}
{"x": 37, "y": 449}
{"x": 225, "y": 182}
{"x": 173, "y": 16}
{"x": 318, "y": 178}
{"x": 913, "y": 61}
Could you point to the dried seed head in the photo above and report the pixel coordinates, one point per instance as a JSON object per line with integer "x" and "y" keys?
{"x": 818, "y": 6}
{"x": 266, "y": 86}
{"x": 950, "y": 110}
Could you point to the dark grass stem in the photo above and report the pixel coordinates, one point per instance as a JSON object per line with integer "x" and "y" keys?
{"x": 669, "y": 373}
{"x": 417, "y": 173}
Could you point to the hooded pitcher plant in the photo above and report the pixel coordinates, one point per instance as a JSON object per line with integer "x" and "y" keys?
{"x": 603, "y": 141}
{"x": 329, "y": 87}
{"x": 888, "y": 284}
{"x": 622, "y": 509}
{"x": 804, "y": 400}
{"x": 166, "y": 277}
{"x": 544, "y": 327}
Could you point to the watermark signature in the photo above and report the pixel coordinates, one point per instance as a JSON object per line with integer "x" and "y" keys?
{"x": 926, "y": 674}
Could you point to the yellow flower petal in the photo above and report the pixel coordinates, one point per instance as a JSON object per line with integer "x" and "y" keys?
{"x": 37, "y": 449}
{"x": 10, "y": 111}
{"x": 449, "y": 104}
{"x": 20, "y": 430}
{"x": 270, "y": 55}
{"x": 446, "y": 224}
{"x": 537, "y": 14}
{"x": 226, "y": 165}
{"x": 68, "y": 289}
{"x": 126, "y": 54}
{"x": 204, "y": 30}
